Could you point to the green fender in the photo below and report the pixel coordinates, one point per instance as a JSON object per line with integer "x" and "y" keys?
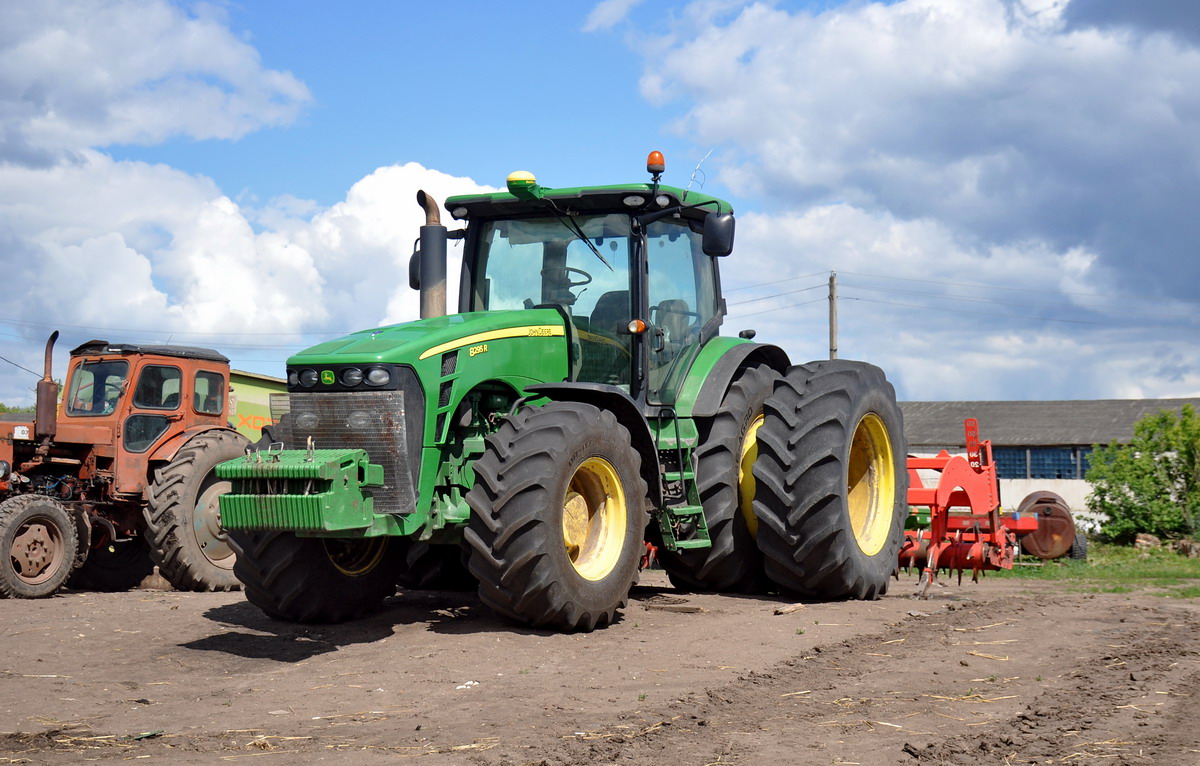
{"x": 716, "y": 366}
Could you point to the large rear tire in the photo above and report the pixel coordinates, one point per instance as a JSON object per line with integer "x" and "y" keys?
{"x": 558, "y": 517}
{"x": 314, "y": 579}
{"x": 728, "y": 448}
{"x": 114, "y": 567}
{"x": 183, "y": 518}
{"x": 38, "y": 542}
{"x": 831, "y": 481}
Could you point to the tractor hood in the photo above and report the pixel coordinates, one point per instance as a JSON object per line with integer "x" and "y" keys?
{"x": 414, "y": 341}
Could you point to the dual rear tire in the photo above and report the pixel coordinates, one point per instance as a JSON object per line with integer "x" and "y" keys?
{"x": 832, "y": 481}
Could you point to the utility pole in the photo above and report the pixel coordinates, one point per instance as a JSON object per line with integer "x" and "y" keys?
{"x": 833, "y": 315}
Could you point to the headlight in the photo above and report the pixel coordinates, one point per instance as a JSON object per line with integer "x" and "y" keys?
{"x": 307, "y": 421}
{"x": 378, "y": 376}
{"x": 360, "y": 420}
{"x": 308, "y": 378}
{"x": 351, "y": 377}
{"x": 5, "y": 470}
{"x": 293, "y": 378}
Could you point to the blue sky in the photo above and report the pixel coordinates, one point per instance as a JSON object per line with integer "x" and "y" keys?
{"x": 1006, "y": 188}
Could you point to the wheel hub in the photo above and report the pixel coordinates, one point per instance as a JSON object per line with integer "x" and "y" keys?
{"x": 34, "y": 549}
{"x": 593, "y": 519}
{"x": 746, "y": 484}
{"x": 206, "y": 525}
{"x": 871, "y": 484}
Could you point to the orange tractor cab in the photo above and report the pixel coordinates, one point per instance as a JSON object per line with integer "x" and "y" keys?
{"x": 118, "y": 476}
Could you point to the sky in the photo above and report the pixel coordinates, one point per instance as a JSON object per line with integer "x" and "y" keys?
{"x": 1006, "y": 189}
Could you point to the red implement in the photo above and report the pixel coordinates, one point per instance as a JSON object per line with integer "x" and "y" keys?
{"x": 966, "y": 529}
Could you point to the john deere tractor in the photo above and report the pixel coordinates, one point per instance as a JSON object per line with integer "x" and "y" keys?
{"x": 579, "y": 405}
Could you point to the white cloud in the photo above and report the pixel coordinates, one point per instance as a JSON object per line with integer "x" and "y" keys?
{"x": 76, "y": 75}
{"x": 921, "y": 301}
{"x": 608, "y": 13}
{"x": 145, "y": 251}
{"x": 994, "y": 142}
{"x": 142, "y": 252}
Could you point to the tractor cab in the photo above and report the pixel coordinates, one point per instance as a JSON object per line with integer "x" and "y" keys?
{"x": 129, "y": 402}
{"x": 630, "y": 268}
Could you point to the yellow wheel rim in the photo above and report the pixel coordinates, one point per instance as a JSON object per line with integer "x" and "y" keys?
{"x": 355, "y": 558}
{"x": 746, "y": 476}
{"x": 871, "y": 484}
{"x": 593, "y": 519}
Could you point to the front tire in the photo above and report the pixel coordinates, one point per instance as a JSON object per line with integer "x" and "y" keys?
{"x": 183, "y": 518}
{"x": 558, "y": 517}
{"x": 114, "y": 566}
{"x": 725, "y": 482}
{"x": 38, "y": 542}
{"x": 832, "y": 481}
{"x": 315, "y": 579}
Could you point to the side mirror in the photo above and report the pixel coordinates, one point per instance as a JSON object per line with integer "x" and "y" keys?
{"x": 414, "y": 270}
{"x": 718, "y": 234}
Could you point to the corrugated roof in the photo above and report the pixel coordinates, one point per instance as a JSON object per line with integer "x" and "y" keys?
{"x": 1032, "y": 424}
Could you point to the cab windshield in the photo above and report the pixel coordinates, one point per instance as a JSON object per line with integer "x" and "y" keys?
{"x": 531, "y": 262}
{"x": 96, "y": 387}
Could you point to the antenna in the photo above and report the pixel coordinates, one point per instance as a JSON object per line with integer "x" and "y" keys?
{"x": 697, "y": 170}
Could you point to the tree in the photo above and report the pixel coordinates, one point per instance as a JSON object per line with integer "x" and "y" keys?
{"x": 1151, "y": 484}
{"x": 5, "y": 408}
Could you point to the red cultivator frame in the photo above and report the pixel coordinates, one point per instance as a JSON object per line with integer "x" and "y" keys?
{"x": 974, "y": 535}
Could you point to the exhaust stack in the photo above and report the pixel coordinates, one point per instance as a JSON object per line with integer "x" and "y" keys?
{"x": 432, "y": 263}
{"x": 46, "y": 417}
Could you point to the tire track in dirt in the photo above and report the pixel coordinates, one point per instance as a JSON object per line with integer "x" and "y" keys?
{"x": 1118, "y": 686}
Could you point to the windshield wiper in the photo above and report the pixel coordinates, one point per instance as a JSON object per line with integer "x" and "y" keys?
{"x": 578, "y": 232}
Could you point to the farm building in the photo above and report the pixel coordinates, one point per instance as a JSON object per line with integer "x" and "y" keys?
{"x": 1037, "y": 446}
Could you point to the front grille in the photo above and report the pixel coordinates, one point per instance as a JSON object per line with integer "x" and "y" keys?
{"x": 387, "y": 424}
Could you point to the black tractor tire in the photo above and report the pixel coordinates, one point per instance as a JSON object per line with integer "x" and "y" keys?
{"x": 1079, "y": 548}
{"x": 725, "y": 482}
{"x": 38, "y": 543}
{"x": 435, "y": 567}
{"x": 183, "y": 519}
{"x": 114, "y": 567}
{"x": 315, "y": 579}
{"x": 832, "y": 481}
{"x": 558, "y": 517}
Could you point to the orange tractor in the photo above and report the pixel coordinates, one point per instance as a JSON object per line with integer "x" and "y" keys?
{"x": 120, "y": 477}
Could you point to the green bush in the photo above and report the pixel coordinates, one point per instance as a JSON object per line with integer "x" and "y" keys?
{"x": 1151, "y": 484}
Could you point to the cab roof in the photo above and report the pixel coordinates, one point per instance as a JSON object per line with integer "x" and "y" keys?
{"x": 582, "y": 199}
{"x": 97, "y": 347}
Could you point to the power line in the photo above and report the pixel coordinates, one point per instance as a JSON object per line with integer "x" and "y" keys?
{"x": 776, "y": 295}
{"x": 776, "y": 282}
{"x": 26, "y": 369}
{"x": 780, "y": 308}
{"x": 1005, "y": 287}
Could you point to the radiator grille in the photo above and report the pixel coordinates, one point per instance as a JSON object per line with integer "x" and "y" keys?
{"x": 384, "y": 423}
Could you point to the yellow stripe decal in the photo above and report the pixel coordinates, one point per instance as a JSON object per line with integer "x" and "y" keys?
{"x": 527, "y": 331}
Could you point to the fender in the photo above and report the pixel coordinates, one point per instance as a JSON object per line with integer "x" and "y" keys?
{"x": 165, "y": 452}
{"x": 715, "y": 369}
{"x": 627, "y": 413}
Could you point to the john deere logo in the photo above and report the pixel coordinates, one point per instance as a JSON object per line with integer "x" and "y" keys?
{"x": 327, "y": 377}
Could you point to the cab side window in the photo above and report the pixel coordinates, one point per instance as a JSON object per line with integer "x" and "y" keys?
{"x": 158, "y": 388}
{"x": 208, "y": 397}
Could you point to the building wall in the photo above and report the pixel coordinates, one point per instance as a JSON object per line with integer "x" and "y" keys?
{"x": 249, "y": 401}
{"x": 1074, "y": 492}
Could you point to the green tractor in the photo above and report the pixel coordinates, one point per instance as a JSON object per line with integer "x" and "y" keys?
{"x": 580, "y": 409}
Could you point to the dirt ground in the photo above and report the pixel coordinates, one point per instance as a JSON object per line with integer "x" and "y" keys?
{"x": 1004, "y": 672}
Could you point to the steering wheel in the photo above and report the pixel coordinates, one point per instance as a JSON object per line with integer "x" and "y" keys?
{"x": 586, "y": 277}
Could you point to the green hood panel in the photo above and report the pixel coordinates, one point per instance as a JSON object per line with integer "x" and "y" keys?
{"x": 413, "y": 341}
